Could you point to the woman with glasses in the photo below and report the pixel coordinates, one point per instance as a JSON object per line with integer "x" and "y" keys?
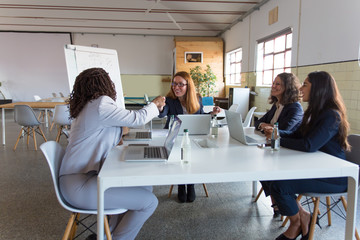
{"x": 183, "y": 99}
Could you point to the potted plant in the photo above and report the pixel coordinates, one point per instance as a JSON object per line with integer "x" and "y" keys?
{"x": 205, "y": 83}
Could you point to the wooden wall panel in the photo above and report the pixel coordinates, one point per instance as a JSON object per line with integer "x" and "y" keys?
{"x": 213, "y": 52}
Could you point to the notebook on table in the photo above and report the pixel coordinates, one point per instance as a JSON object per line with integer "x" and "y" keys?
{"x": 237, "y": 130}
{"x": 197, "y": 124}
{"x": 138, "y": 135}
{"x": 154, "y": 153}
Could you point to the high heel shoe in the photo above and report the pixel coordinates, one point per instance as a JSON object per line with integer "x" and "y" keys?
{"x": 181, "y": 193}
{"x": 283, "y": 237}
{"x": 276, "y": 211}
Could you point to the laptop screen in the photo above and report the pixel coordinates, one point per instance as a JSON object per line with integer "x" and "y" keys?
{"x": 172, "y": 134}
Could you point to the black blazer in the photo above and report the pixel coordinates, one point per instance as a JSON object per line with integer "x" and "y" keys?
{"x": 290, "y": 117}
{"x": 173, "y": 107}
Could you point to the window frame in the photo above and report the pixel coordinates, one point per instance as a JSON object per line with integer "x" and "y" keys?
{"x": 228, "y": 70}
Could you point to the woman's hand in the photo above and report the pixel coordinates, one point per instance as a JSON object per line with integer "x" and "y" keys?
{"x": 263, "y": 125}
{"x": 216, "y": 110}
{"x": 159, "y": 102}
{"x": 268, "y": 131}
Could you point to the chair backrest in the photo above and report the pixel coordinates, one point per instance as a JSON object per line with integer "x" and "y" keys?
{"x": 62, "y": 115}
{"x": 24, "y": 115}
{"x": 61, "y": 94}
{"x": 249, "y": 116}
{"x": 234, "y": 108}
{"x": 54, "y": 154}
{"x": 54, "y": 94}
{"x": 208, "y": 101}
{"x": 354, "y": 155}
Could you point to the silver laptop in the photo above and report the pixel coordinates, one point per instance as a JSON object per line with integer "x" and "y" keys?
{"x": 197, "y": 124}
{"x": 237, "y": 131}
{"x": 138, "y": 135}
{"x": 154, "y": 153}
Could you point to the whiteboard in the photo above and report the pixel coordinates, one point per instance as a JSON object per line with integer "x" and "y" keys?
{"x": 80, "y": 58}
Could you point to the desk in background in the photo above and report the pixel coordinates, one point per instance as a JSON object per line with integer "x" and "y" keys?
{"x": 35, "y": 105}
{"x": 229, "y": 162}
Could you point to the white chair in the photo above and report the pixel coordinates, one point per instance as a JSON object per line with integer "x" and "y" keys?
{"x": 62, "y": 120}
{"x": 248, "y": 117}
{"x": 26, "y": 118}
{"x": 331, "y": 202}
{"x": 54, "y": 153}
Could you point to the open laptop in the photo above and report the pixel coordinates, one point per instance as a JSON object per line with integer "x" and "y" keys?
{"x": 237, "y": 131}
{"x": 142, "y": 135}
{"x": 197, "y": 124}
{"x": 154, "y": 153}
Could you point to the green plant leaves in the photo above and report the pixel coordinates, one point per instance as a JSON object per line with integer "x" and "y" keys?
{"x": 205, "y": 83}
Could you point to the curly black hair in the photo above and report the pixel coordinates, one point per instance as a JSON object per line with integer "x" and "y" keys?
{"x": 89, "y": 85}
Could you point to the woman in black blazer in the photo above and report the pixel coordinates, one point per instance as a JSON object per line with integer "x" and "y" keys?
{"x": 183, "y": 99}
{"x": 286, "y": 111}
{"x": 324, "y": 128}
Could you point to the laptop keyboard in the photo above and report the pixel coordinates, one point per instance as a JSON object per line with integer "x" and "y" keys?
{"x": 143, "y": 134}
{"x": 152, "y": 152}
{"x": 250, "y": 140}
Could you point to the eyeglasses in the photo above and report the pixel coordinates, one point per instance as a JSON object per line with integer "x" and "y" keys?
{"x": 178, "y": 84}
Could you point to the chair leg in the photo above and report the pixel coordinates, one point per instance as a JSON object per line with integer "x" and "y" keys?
{"x": 33, "y": 131}
{"x": 259, "y": 194}
{"x": 28, "y": 136}
{"x": 170, "y": 191}
{"x": 69, "y": 226}
{"x": 107, "y": 228}
{"x": 344, "y": 202}
{"x": 313, "y": 220}
{"x": 59, "y": 134}
{"x": 74, "y": 227}
{"x": 328, "y": 208}
{"x": 17, "y": 140}
{"x": 205, "y": 189}
{"x": 42, "y": 134}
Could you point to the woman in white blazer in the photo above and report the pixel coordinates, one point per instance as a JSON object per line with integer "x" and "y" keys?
{"x": 96, "y": 128}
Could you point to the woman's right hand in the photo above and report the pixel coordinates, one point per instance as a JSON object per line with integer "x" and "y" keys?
{"x": 268, "y": 131}
{"x": 159, "y": 102}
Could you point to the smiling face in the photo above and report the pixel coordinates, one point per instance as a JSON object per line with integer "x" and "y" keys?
{"x": 277, "y": 88}
{"x": 179, "y": 86}
{"x": 305, "y": 90}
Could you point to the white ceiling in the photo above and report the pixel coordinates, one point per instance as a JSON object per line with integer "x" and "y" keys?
{"x": 145, "y": 17}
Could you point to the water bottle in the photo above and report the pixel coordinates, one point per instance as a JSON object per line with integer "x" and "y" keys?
{"x": 275, "y": 138}
{"x": 186, "y": 147}
{"x": 214, "y": 126}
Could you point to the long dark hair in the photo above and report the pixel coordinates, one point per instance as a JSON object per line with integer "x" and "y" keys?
{"x": 89, "y": 85}
{"x": 324, "y": 95}
{"x": 291, "y": 85}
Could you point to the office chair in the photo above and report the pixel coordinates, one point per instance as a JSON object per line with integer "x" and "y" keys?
{"x": 54, "y": 153}
{"x": 62, "y": 120}
{"x": 26, "y": 118}
{"x": 248, "y": 117}
{"x": 333, "y": 199}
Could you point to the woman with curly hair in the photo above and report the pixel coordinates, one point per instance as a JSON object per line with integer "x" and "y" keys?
{"x": 183, "y": 99}
{"x": 286, "y": 111}
{"x": 97, "y": 127}
{"x": 324, "y": 128}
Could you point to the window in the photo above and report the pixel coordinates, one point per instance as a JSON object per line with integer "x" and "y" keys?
{"x": 233, "y": 67}
{"x": 273, "y": 57}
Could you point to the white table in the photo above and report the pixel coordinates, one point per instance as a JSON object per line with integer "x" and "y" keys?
{"x": 230, "y": 162}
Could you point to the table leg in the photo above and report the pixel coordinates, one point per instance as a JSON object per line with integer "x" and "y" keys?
{"x": 46, "y": 118}
{"x": 100, "y": 214}
{"x": 3, "y": 124}
{"x": 254, "y": 188}
{"x": 351, "y": 210}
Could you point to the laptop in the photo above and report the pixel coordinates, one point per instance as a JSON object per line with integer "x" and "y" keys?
{"x": 197, "y": 124}
{"x": 154, "y": 153}
{"x": 238, "y": 132}
{"x": 138, "y": 135}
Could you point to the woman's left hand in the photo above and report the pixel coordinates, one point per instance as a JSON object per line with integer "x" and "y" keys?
{"x": 216, "y": 110}
{"x": 268, "y": 131}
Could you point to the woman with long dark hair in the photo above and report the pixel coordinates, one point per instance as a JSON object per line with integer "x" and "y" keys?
{"x": 97, "y": 127}
{"x": 324, "y": 128}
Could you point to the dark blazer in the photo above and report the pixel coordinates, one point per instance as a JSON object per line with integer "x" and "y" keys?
{"x": 323, "y": 137}
{"x": 173, "y": 107}
{"x": 290, "y": 117}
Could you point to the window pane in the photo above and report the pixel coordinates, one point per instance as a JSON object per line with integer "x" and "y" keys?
{"x": 238, "y": 56}
{"x": 238, "y": 78}
{"x": 289, "y": 40}
{"x": 278, "y": 71}
{"x": 288, "y": 59}
{"x": 268, "y": 77}
{"x": 269, "y": 46}
{"x": 238, "y": 68}
{"x": 232, "y": 68}
{"x": 288, "y": 70}
{"x": 232, "y": 78}
{"x": 280, "y": 43}
{"x": 279, "y": 60}
{"x": 268, "y": 62}
{"x": 232, "y": 58}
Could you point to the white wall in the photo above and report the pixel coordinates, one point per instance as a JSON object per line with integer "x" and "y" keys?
{"x": 33, "y": 64}
{"x": 137, "y": 54}
{"x": 328, "y": 31}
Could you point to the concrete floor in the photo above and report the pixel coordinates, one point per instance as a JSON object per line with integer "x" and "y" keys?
{"x": 29, "y": 208}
